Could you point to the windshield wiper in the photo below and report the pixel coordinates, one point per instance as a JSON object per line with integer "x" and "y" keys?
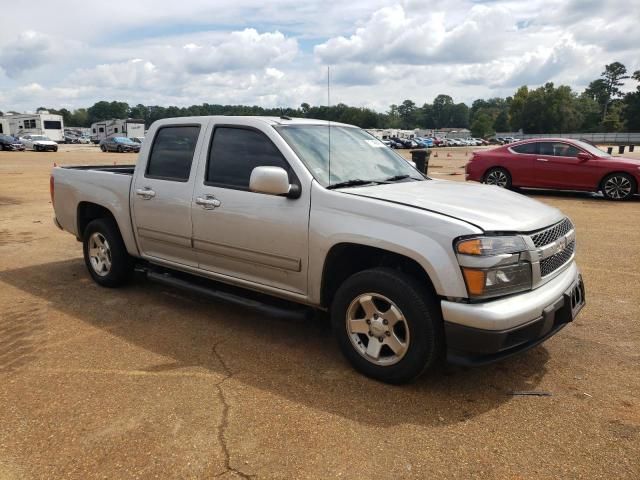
{"x": 353, "y": 183}
{"x": 400, "y": 177}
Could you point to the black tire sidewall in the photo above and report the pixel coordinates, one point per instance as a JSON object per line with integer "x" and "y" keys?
{"x": 419, "y": 309}
{"x": 634, "y": 187}
{"x": 121, "y": 262}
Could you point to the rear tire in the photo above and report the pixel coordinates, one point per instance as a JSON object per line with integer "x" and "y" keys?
{"x": 105, "y": 254}
{"x": 103, "y": 148}
{"x": 618, "y": 187}
{"x": 499, "y": 177}
{"x": 395, "y": 312}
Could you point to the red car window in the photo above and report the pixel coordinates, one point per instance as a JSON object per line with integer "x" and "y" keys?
{"x": 558, "y": 149}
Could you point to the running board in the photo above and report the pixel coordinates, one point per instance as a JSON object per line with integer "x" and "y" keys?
{"x": 294, "y": 311}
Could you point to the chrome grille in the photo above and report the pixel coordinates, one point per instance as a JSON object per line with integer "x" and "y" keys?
{"x": 551, "y": 234}
{"x": 554, "y": 262}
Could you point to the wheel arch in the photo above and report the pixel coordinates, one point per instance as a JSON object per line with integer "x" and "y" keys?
{"x": 627, "y": 174}
{"x": 346, "y": 259}
{"x": 89, "y": 211}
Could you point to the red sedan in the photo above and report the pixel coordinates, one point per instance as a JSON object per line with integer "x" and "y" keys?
{"x": 556, "y": 163}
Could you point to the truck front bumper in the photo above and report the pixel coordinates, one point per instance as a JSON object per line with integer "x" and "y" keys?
{"x": 482, "y": 333}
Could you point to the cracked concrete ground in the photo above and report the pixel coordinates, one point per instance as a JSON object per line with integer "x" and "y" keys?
{"x": 150, "y": 382}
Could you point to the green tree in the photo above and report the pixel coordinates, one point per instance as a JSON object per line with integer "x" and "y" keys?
{"x": 407, "y": 111}
{"x": 482, "y": 125}
{"x": 442, "y": 105}
{"x": 107, "y": 110}
{"x": 612, "y": 78}
{"x": 631, "y": 108}
{"x": 516, "y": 109}
{"x": 501, "y": 123}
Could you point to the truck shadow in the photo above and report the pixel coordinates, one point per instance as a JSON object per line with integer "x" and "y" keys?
{"x": 296, "y": 359}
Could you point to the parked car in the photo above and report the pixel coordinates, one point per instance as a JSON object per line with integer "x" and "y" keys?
{"x": 119, "y": 144}
{"x": 423, "y": 142}
{"x": 9, "y": 143}
{"x": 39, "y": 143}
{"x": 556, "y": 163}
{"x": 412, "y": 270}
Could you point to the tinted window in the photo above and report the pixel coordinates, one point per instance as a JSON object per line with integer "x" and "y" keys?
{"x": 52, "y": 125}
{"x": 235, "y": 152}
{"x": 525, "y": 148}
{"x": 172, "y": 152}
{"x": 558, "y": 149}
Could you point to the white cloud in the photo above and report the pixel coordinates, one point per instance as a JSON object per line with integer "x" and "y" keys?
{"x": 275, "y": 53}
{"x": 28, "y": 51}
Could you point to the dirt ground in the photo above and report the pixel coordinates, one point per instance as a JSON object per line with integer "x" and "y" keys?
{"x": 149, "y": 382}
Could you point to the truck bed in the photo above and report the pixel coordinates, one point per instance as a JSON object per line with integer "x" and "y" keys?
{"x": 107, "y": 186}
{"x": 121, "y": 169}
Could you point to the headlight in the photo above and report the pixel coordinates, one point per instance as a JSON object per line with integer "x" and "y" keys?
{"x": 491, "y": 245}
{"x": 492, "y": 267}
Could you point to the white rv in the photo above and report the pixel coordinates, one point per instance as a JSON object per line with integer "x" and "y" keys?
{"x": 41, "y": 123}
{"x": 4, "y": 126}
{"x": 116, "y": 127}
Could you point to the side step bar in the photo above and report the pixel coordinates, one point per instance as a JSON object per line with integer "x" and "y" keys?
{"x": 280, "y": 309}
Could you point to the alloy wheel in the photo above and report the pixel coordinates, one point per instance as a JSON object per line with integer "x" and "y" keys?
{"x": 99, "y": 254}
{"x": 617, "y": 187}
{"x": 497, "y": 178}
{"x": 377, "y": 329}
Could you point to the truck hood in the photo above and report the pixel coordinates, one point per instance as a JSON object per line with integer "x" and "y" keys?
{"x": 488, "y": 207}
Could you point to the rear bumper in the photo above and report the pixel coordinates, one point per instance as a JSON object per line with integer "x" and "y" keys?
{"x": 478, "y": 334}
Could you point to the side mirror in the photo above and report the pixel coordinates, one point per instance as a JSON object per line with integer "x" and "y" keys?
{"x": 583, "y": 156}
{"x": 272, "y": 181}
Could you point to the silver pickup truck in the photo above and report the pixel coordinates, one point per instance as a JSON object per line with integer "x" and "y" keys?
{"x": 412, "y": 270}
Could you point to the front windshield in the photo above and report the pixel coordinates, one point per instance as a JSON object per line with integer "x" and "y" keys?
{"x": 355, "y": 154}
{"x": 592, "y": 149}
{"x": 122, "y": 140}
{"x": 39, "y": 137}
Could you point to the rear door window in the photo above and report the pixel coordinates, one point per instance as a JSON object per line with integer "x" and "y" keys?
{"x": 172, "y": 153}
{"x": 527, "y": 148}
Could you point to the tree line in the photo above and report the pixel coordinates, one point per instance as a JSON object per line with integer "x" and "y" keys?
{"x": 548, "y": 109}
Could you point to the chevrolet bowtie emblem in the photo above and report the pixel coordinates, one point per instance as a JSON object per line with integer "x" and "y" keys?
{"x": 562, "y": 244}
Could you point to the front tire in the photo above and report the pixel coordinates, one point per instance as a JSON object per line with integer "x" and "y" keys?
{"x": 618, "y": 187}
{"x": 387, "y": 325}
{"x": 105, "y": 254}
{"x": 499, "y": 177}
{"x": 103, "y": 148}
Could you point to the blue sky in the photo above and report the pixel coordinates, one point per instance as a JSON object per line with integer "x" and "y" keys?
{"x": 275, "y": 53}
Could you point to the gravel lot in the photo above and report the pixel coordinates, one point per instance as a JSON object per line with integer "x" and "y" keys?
{"x": 149, "y": 382}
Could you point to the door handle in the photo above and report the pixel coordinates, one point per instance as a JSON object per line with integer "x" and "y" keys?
{"x": 208, "y": 202}
{"x": 146, "y": 193}
{"x": 541, "y": 160}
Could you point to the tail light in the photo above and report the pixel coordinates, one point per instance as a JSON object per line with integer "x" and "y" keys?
{"x": 52, "y": 186}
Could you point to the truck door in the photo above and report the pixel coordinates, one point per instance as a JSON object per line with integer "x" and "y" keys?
{"x": 162, "y": 191}
{"x": 245, "y": 235}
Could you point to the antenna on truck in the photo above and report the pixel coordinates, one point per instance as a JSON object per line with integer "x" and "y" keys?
{"x": 329, "y": 115}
